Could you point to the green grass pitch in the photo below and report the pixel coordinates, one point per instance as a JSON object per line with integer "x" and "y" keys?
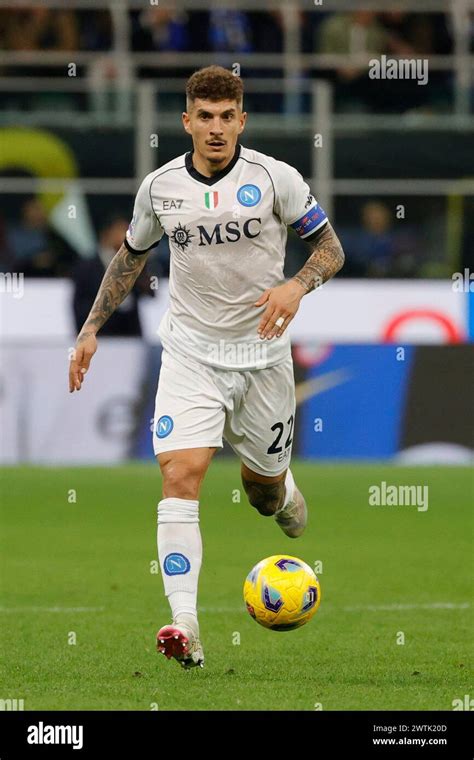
{"x": 82, "y": 570}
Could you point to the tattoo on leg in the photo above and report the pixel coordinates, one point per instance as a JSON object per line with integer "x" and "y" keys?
{"x": 265, "y": 497}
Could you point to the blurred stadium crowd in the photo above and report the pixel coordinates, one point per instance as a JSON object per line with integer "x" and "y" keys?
{"x": 237, "y": 31}
{"x": 154, "y": 28}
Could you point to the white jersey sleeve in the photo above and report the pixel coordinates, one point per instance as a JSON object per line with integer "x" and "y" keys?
{"x": 145, "y": 230}
{"x": 294, "y": 202}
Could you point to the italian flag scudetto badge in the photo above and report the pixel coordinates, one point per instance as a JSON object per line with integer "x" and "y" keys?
{"x": 211, "y": 200}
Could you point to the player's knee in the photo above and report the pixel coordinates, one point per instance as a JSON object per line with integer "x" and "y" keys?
{"x": 181, "y": 479}
{"x": 265, "y": 497}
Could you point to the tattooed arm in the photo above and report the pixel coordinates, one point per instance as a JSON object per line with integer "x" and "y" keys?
{"x": 117, "y": 283}
{"x": 283, "y": 302}
{"x": 326, "y": 259}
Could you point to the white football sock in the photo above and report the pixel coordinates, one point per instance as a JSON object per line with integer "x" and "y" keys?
{"x": 289, "y": 490}
{"x": 179, "y": 534}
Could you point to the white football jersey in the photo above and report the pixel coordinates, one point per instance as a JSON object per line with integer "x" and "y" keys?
{"x": 227, "y": 236}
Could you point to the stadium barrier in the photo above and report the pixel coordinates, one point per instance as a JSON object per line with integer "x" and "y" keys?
{"x": 388, "y": 383}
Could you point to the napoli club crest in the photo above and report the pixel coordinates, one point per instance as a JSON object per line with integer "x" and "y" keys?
{"x": 249, "y": 195}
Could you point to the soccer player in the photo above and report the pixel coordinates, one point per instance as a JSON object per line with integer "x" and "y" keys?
{"x": 226, "y": 364}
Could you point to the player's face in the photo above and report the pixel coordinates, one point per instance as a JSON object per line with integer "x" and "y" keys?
{"x": 215, "y": 128}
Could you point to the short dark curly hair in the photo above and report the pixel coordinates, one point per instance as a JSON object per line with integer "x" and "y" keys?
{"x": 214, "y": 83}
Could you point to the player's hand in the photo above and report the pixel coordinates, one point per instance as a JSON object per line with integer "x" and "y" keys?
{"x": 282, "y": 302}
{"x": 86, "y": 346}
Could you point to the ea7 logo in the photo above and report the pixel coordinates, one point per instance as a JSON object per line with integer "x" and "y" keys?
{"x": 463, "y": 704}
{"x": 169, "y": 203}
{"x": 232, "y": 232}
{"x": 42, "y": 734}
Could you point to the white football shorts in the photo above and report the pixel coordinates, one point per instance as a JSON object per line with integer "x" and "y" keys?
{"x": 254, "y": 410}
